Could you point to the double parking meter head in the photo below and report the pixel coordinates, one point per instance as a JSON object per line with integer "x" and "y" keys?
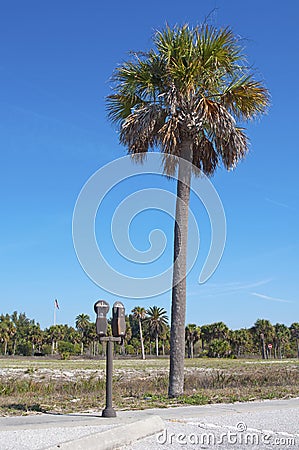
{"x": 101, "y": 308}
{"x": 118, "y": 320}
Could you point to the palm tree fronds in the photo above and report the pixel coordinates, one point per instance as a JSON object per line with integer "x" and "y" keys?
{"x": 218, "y": 48}
{"x": 205, "y": 158}
{"x": 170, "y": 164}
{"x": 120, "y": 106}
{"x": 246, "y": 98}
{"x": 140, "y": 129}
{"x": 216, "y": 118}
{"x": 169, "y": 136}
{"x": 233, "y": 149}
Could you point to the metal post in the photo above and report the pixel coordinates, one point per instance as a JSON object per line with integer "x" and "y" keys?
{"x": 109, "y": 411}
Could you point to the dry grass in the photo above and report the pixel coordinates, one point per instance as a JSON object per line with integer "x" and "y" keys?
{"x": 38, "y": 385}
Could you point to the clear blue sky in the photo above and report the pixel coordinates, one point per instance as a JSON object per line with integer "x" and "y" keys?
{"x": 55, "y": 62}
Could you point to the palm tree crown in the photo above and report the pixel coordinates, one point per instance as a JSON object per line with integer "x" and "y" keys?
{"x": 195, "y": 85}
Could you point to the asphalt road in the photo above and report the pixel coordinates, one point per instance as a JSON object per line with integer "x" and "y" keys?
{"x": 256, "y": 425}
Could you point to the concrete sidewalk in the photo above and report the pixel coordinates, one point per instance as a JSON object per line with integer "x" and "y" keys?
{"x": 76, "y": 431}
{"x": 130, "y": 429}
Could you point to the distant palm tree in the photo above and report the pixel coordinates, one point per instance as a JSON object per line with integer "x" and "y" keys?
{"x": 21, "y": 324}
{"x": 55, "y": 333}
{"x": 82, "y": 323}
{"x": 240, "y": 340}
{"x": 206, "y": 334}
{"x": 7, "y": 330}
{"x": 192, "y": 335}
{"x": 139, "y": 314}
{"x": 219, "y": 330}
{"x": 35, "y": 337}
{"x": 157, "y": 321}
{"x": 265, "y": 332}
{"x": 185, "y": 98}
{"x": 281, "y": 338}
{"x": 4, "y": 336}
{"x": 294, "y": 328}
{"x": 219, "y": 348}
{"x": 165, "y": 336}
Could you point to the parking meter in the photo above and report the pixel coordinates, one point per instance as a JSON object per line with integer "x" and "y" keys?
{"x": 101, "y": 308}
{"x": 118, "y": 320}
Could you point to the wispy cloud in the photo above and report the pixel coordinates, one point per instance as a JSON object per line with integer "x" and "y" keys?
{"x": 268, "y": 297}
{"x": 274, "y": 202}
{"x": 233, "y": 287}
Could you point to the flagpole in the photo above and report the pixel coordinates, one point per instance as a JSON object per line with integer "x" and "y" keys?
{"x": 54, "y": 314}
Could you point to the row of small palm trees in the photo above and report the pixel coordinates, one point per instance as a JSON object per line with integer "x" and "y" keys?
{"x": 145, "y": 327}
{"x": 21, "y": 335}
{"x": 217, "y": 340}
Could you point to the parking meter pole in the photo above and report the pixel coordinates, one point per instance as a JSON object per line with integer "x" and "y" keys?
{"x": 101, "y": 308}
{"x": 109, "y": 411}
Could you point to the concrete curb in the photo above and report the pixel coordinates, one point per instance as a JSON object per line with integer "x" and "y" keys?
{"x": 115, "y": 437}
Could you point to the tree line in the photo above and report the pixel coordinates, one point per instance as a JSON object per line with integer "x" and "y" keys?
{"x": 147, "y": 334}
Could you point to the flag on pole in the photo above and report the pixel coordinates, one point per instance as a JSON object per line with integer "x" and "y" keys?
{"x": 56, "y": 303}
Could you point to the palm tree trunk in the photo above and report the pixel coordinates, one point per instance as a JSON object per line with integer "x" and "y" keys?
{"x": 5, "y": 347}
{"x": 264, "y": 356}
{"x": 178, "y": 308}
{"x": 157, "y": 345}
{"x": 141, "y": 340}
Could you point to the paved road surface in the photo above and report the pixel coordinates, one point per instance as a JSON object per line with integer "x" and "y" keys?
{"x": 242, "y": 426}
{"x": 256, "y": 425}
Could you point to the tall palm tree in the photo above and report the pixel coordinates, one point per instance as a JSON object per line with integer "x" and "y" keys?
{"x": 185, "y": 97}
{"x": 82, "y": 324}
{"x": 139, "y": 314}
{"x": 157, "y": 321}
